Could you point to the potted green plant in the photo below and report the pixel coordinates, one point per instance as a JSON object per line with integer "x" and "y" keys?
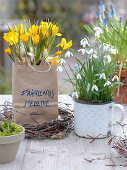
{"x": 110, "y": 31}
{"x": 11, "y": 134}
{"x": 93, "y": 86}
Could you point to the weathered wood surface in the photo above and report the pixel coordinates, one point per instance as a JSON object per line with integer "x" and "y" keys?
{"x": 65, "y": 154}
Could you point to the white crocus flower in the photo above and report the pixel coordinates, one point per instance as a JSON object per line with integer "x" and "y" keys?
{"x": 84, "y": 42}
{"x": 115, "y": 78}
{"x": 30, "y": 54}
{"x": 94, "y": 87}
{"x": 22, "y": 49}
{"x": 79, "y": 76}
{"x": 45, "y": 52}
{"x": 107, "y": 58}
{"x": 83, "y": 51}
{"x": 103, "y": 76}
{"x": 62, "y": 61}
{"x": 98, "y": 32}
{"x": 59, "y": 68}
{"x": 68, "y": 54}
{"x": 108, "y": 83}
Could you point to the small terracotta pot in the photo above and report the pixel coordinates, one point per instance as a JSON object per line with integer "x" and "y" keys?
{"x": 122, "y": 98}
{"x": 9, "y": 146}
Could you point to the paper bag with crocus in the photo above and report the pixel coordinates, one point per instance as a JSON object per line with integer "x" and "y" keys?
{"x": 34, "y": 77}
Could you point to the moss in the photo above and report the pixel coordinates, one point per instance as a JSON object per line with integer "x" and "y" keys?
{"x": 89, "y": 101}
{"x": 8, "y": 128}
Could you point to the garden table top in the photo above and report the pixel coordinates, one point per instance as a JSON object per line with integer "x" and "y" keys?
{"x": 69, "y": 153}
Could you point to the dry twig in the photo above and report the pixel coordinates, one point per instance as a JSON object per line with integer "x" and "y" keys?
{"x": 55, "y": 129}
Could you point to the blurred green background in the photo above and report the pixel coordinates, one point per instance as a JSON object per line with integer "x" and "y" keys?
{"x": 72, "y": 15}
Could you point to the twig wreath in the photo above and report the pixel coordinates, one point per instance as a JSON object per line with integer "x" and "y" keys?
{"x": 55, "y": 129}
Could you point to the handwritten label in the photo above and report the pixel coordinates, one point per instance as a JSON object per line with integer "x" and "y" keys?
{"x": 29, "y": 103}
{"x": 37, "y": 93}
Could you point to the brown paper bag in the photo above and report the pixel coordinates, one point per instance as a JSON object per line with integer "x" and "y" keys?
{"x": 34, "y": 93}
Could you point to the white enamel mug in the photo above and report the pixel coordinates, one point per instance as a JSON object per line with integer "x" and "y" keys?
{"x": 93, "y": 120}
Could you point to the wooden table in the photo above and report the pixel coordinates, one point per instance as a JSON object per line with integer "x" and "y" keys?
{"x": 65, "y": 154}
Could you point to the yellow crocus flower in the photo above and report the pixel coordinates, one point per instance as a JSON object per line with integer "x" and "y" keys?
{"x": 44, "y": 26}
{"x": 8, "y": 51}
{"x": 45, "y": 34}
{"x": 58, "y": 53}
{"x": 67, "y": 45}
{"x": 64, "y": 44}
{"x": 17, "y": 52}
{"x": 11, "y": 37}
{"x": 44, "y": 23}
{"x": 34, "y": 29}
{"x": 55, "y": 31}
{"x": 19, "y": 28}
{"x": 24, "y": 37}
{"x": 54, "y": 61}
{"x": 11, "y": 29}
{"x": 36, "y": 39}
{"x": 59, "y": 34}
{"x": 43, "y": 49}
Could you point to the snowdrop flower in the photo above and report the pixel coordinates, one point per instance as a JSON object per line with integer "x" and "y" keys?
{"x": 94, "y": 56}
{"x": 79, "y": 76}
{"x": 91, "y": 51}
{"x": 62, "y": 61}
{"x": 59, "y": 68}
{"x": 74, "y": 95}
{"x": 84, "y": 42}
{"x": 114, "y": 51}
{"x": 110, "y": 48}
{"x": 107, "y": 58}
{"x": 108, "y": 83}
{"x": 106, "y": 46}
{"x": 94, "y": 87}
{"x": 68, "y": 54}
{"x": 103, "y": 76}
{"x": 98, "y": 32}
{"x": 101, "y": 7}
{"x": 115, "y": 78}
{"x": 83, "y": 51}
{"x": 76, "y": 67}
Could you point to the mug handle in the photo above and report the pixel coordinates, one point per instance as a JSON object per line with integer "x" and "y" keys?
{"x": 121, "y": 108}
